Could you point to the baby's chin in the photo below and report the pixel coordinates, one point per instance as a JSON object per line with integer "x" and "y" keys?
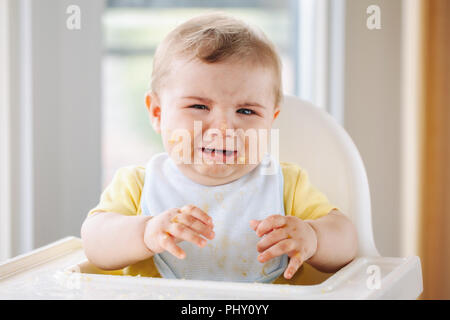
{"x": 214, "y": 174}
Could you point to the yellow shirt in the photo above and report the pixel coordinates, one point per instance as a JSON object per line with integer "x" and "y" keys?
{"x": 301, "y": 199}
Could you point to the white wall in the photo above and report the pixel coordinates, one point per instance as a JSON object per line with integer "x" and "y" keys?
{"x": 5, "y": 211}
{"x": 372, "y": 114}
{"x": 57, "y": 119}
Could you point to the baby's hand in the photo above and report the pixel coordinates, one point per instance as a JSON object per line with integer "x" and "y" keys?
{"x": 285, "y": 234}
{"x": 163, "y": 231}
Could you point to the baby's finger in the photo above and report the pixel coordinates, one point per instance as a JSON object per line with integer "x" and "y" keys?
{"x": 184, "y": 233}
{"x": 272, "y": 238}
{"x": 197, "y": 213}
{"x": 294, "y": 263}
{"x": 276, "y": 250}
{"x": 195, "y": 224}
{"x": 168, "y": 243}
{"x": 270, "y": 223}
{"x": 254, "y": 224}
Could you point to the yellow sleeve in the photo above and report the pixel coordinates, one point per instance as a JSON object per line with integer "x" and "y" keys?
{"x": 301, "y": 198}
{"x": 123, "y": 194}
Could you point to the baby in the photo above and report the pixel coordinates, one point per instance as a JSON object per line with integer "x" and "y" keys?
{"x": 216, "y": 205}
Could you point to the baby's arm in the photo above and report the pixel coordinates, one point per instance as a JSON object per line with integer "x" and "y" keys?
{"x": 337, "y": 242}
{"x": 114, "y": 241}
{"x": 328, "y": 243}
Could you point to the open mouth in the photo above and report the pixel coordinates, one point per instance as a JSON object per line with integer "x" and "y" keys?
{"x": 226, "y": 153}
{"x": 220, "y": 155}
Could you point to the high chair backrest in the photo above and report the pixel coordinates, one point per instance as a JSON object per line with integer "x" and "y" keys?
{"x": 311, "y": 138}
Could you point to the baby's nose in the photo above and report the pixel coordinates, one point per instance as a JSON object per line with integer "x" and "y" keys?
{"x": 224, "y": 127}
{"x": 222, "y": 131}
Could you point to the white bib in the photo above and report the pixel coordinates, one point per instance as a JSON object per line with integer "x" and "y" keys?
{"x": 232, "y": 254}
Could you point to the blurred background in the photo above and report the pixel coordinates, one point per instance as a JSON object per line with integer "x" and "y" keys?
{"x": 72, "y": 106}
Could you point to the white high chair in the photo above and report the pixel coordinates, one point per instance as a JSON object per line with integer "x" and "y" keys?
{"x": 309, "y": 137}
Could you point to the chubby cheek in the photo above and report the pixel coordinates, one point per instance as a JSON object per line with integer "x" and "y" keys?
{"x": 174, "y": 126}
{"x": 178, "y": 138}
{"x": 256, "y": 144}
{"x": 172, "y": 120}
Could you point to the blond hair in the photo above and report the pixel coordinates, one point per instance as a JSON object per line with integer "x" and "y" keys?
{"x": 212, "y": 38}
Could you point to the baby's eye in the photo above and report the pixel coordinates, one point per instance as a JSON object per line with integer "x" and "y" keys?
{"x": 246, "y": 111}
{"x": 199, "y": 106}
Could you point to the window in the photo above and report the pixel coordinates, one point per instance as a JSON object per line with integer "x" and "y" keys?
{"x": 134, "y": 28}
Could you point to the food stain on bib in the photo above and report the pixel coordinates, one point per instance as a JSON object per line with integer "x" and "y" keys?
{"x": 221, "y": 262}
{"x": 263, "y": 270}
{"x": 224, "y": 243}
{"x": 242, "y": 270}
{"x": 213, "y": 249}
{"x": 219, "y": 197}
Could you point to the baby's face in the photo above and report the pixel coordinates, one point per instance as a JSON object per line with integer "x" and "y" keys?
{"x": 210, "y": 116}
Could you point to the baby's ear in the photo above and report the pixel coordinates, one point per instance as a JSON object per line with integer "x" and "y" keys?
{"x": 154, "y": 110}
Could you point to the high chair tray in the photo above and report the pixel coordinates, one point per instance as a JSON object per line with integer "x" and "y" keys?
{"x": 61, "y": 271}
